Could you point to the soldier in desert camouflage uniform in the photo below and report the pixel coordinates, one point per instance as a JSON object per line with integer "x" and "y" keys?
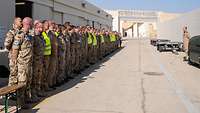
{"x": 22, "y": 56}
{"x": 61, "y": 55}
{"x": 8, "y": 45}
{"x": 38, "y": 56}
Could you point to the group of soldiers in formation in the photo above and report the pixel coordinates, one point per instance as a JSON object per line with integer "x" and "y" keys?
{"x": 44, "y": 55}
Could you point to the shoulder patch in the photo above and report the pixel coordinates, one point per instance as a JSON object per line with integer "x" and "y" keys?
{"x": 16, "y": 43}
{"x": 28, "y": 37}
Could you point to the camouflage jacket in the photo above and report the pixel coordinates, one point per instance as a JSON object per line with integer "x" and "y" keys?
{"x": 10, "y": 38}
{"x": 38, "y": 47}
{"x": 61, "y": 45}
{"x": 22, "y": 48}
{"x": 54, "y": 43}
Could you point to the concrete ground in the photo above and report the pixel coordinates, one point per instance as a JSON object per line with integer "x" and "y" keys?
{"x": 136, "y": 79}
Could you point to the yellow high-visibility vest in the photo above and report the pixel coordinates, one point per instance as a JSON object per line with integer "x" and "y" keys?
{"x": 112, "y": 38}
{"x": 57, "y": 34}
{"x": 102, "y": 38}
{"x": 94, "y": 40}
{"x": 89, "y": 38}
{"x": 47, "y": 49}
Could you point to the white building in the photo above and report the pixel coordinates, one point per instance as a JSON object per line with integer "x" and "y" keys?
{"x": 155, "y": 24}
{"x": 135, "y": 23}
{"x": 77, "y": 12}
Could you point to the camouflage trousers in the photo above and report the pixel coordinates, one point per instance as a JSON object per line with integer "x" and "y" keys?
{"x": 24, "y": 77}
{"x": 77, "y": 57}
{"x": 106, "y": 48}
{"x": 102, "y": 50}
{"x": 13, "y": 73}
{"x": 89, "y": 55}
{"x": 186, "y": 54}
{"x": 83, "y": 58}
{"x": 52, "y": 71}
{"x": 61, "y": 69}
{"x": 46, "y": 72}
{"x": 68, "y": 69}
{"x": 99, "y": 52}
{"x": 94, "y": 54}
{"x": 85, "y": 55}
{"x": 37, "y": 79}
{"x": 73, "y": 57}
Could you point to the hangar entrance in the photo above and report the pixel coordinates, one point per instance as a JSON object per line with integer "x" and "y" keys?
{"x": 138, "y": 29}
{"x": 23, "y": 8}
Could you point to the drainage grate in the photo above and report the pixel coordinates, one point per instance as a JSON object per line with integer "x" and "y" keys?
{"x": 153, "y": 73}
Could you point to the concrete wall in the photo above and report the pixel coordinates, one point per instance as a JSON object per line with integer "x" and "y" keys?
{"x": 115, "y": 22}
{"x": 57, "y": 10}
{"x": 42, "y": 12}
{"x": 71, "y": 11}
{"x": 172, "y": 29}
{"x": 7, "y": 12}
{"x": 134, "y": 16}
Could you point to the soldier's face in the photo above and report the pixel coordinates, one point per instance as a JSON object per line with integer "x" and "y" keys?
{"x": 46, "y": 26}
{"x": 26, "y": 26}
{"x": 40, "y": 27}
{"x": 18, "y": 22}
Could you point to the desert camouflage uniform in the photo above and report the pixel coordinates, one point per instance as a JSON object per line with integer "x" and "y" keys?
{"x": 61, "y": 58}
{"x": 38, "y": 57}
{"x": 73, "y": 51}
{"x": 68, "y": 56}
{"x": 46, "y": 64}
{"x": 53, "y": 59}
{"x": 77, "y": 52}
{"x": 22, "y": 54}
{"x": 8, "y": 45}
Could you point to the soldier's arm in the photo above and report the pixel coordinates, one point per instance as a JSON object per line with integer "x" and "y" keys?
{"x": 9, "y": 40}
{"x": 16, "y": 46}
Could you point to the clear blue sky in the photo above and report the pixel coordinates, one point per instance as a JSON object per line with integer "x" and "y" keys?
{"x": 159, "y": 5}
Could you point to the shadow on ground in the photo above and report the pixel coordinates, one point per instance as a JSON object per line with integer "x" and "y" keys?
{"x": 70, "y": 84}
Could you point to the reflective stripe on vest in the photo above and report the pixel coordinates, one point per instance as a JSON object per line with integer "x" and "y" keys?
{"x": 89, "y": 38}
{"x": 102, "y": 39}
{"x": 94, "y": 40}
{"x": 47, "y": 49}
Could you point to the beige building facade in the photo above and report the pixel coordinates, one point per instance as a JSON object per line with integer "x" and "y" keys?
{"x": 77, "y": 12}
{"x": 135, "y": 23}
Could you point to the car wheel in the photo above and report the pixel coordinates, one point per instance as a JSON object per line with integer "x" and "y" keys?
{"x": 161, "y": 48}
{"x": 189, "y": 59}
{"x": 157, "y": 48}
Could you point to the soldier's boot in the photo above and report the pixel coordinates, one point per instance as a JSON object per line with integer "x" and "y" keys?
{"x": 35, "y": 99}
{"x": 58, "y": 82}
{"x": 25, "y": 106}
{"x": 47, "y": 88}
{"x": 41, "y": 94}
